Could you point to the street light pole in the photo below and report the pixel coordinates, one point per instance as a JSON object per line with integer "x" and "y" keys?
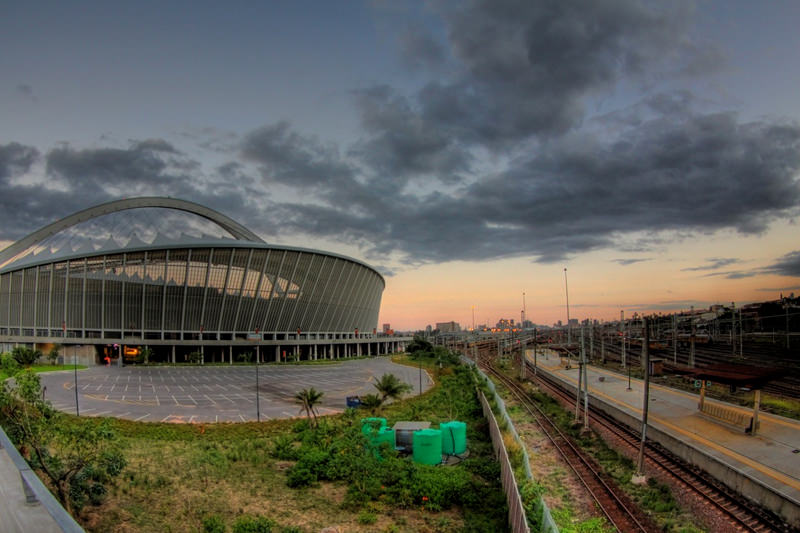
{"x": 566, "y": 290}
{"x": 75, "y": 358}
{"x": 258, "y": 402}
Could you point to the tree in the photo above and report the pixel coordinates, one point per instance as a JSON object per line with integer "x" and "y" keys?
{"x": 25, "y": 356}
{"x": 53, "y": 354}
{"x": 372, "y": 402}
{"x": 78, "y": 457}
{"x": 419, "y": 345}
{"x": 389, "y": 386}
{"x": 144, "y": 355}
{"x": 308, "y": 399}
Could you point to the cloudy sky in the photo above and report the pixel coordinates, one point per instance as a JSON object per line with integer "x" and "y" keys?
{"x": 471, "y": 151}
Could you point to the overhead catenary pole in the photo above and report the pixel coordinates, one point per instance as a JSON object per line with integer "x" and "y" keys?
{"x": 675, "y": 338}
{"x": 585, "y": 384}
{"x": 741, "y": 334}
{"x": 646, "y": 340}
{"x": 622, "y": 336}
{"x": 580, "y": 381}
{"x": 733, "y": 329}
{"x": 691, "y": 338}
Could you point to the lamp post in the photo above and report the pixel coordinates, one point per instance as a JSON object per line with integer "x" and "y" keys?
{"x": 75, "y": 358}
{"x": 258, "y": 403}
{"x": 566, "y": 290}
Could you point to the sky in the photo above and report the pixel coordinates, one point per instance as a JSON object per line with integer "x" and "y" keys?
{"x": 470, "y": 151}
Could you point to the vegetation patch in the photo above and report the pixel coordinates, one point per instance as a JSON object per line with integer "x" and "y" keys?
{"x": 293, "y": 475}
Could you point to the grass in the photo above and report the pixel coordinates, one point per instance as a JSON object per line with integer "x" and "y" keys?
{"x": 182, "y": 476}
{"x": 46, "y": 368}
{"x": 654, "y": 497}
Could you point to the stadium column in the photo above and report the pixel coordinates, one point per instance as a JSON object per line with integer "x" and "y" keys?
{"x": 173, "y": 354}
{"x": 230, "y": 354}
{"x": 277, "y": 354}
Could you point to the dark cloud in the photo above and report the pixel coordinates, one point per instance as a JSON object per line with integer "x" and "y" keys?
{"x": 403, "y": 144}
{"x": 151, "y": 166}
{"x": 681, "y": 174}
{"x": 286, "y": 157}
{"x": 788, "y": 265}
{"x": 715, "y": 263}
{"x": 626, "y": 262}
{"x": 420, "y": 49}
{"x": 16, "y": 159}
{"x": 780, "y": 289}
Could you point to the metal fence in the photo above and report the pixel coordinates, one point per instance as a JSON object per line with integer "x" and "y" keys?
{"x": 516, "y": 511}
{"x": 36, "y": 491}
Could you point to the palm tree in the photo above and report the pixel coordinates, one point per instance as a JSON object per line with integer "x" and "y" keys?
{"x": 372, "y": 402}
{"x": 308, "y": 399}
{"x": 389, "y": 386}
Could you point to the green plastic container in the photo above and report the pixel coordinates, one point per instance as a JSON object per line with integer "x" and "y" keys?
{"x": 454, "y": 437}
{"x": 368, "y": 425}
{"x": 428, "y": 446}
{"x": 386, "y": 434}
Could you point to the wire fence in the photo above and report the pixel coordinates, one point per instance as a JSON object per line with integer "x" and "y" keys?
{"x": 517, "y": 516}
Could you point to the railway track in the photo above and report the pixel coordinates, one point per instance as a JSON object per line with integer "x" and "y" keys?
{"x": 738, "y": 512}
{"x": 620, "y": 511}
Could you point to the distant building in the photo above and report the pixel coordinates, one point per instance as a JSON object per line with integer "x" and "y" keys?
{"x": 387, "y": 327}
{"x": 505, "y": 323}
{"x": 448, "y": 327}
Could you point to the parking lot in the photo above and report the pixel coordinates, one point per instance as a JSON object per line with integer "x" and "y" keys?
{"x": 191, "y": 394}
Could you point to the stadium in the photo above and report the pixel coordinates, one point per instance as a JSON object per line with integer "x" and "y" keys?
{"x": 186, "y": 282}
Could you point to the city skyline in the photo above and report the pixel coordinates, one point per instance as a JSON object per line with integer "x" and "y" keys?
{"x": 469, "y": 151}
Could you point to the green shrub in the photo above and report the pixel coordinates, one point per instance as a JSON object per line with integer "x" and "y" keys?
{"x": 283, "y": 448}
{"x": 367, "y": 517}
{"x": 8, "y": 365}
{"x": 258, "y": 524}
{"x": 213, "y": 524}
{"x": 25, "y": 356}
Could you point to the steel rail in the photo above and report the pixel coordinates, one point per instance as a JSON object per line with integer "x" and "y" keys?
{"x": 588, "y": 477}
{"x": 733, "y": 506}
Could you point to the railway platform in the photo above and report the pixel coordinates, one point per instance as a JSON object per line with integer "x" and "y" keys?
{"x": 765, "y": 467}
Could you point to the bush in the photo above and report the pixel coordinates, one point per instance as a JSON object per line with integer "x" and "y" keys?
{"x": 283, "y": 448}
{"x": 308, "y": 468}
{"x": 367, "y": 517}
{"x": 213, "y": 524}
{"x": 25, "y": 356}
{"x": 8, "y": 365}
{"x": 258, "y": 524}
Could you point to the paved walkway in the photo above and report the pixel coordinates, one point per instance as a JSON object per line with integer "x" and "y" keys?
{"x": 771, "y": 457}
{"x": 217, "y": 393}
{"x": 16, "y": 515}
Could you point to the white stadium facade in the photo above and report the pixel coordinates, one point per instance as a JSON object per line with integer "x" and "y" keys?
{"x": 182, "y": 279}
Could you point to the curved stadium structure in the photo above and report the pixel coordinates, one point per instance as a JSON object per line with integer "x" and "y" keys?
{"x": 180, "y": 278}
